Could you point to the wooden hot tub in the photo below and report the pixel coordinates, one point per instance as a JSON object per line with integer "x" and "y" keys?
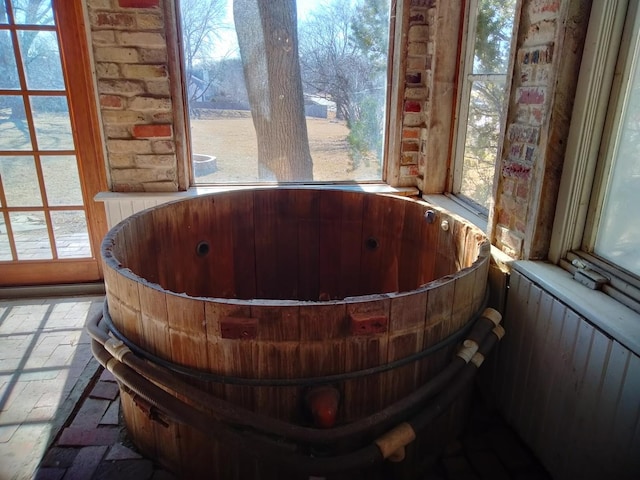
{"x": 289, "y": 284}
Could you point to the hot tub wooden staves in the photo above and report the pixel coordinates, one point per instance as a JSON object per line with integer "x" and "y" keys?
{"x": 290, "y": 283}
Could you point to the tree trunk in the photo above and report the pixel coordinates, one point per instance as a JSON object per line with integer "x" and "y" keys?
{"x": 268, "y": 39}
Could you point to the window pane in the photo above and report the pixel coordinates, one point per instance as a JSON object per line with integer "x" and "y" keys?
{"x": 41, "y": 59}
{"x": 20, "y": 181}
{"x": 61, "y": 180}
{"x": 618, "y": 237}
{"x": 71, "y": 235}
{"x": 481, "y": 140}
{"x": 30, "y": 235}
{"x": 5, "y": 248}
{"x": 8, "y": 71}
{"x": 52, "y": 123}
{"x": 274, "y": 100}
{"x": 14, "y": 131}
{"x": 3, "y": 12}
{"x": 493, "y": 36}
{"x": 32, "y": 12}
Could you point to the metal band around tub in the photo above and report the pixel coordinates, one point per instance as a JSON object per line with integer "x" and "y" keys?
{"x": 290, "y": 382}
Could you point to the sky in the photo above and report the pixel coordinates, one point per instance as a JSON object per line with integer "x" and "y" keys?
{"x": 228, "y": 41}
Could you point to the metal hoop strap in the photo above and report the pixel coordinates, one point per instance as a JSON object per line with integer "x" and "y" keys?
{"x": 289, "y": 382}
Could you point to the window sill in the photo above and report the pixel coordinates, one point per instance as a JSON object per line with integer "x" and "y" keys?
{"x": 599, "y": 309}
{"x": 204, "y": 190}
{"x": 463, "y": 210}
{"x": 452, "y": 205}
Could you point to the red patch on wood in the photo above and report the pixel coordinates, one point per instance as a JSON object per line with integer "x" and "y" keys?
{"x": 368, "y": 323}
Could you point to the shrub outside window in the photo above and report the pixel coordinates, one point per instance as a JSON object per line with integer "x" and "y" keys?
{"x": 482, "y": 99}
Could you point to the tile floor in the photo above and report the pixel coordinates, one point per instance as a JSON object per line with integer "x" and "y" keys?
{"x": 59, "y": 410}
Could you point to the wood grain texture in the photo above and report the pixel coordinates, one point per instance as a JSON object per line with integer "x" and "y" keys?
{"x": 244, "y": 246}
{"x": 350, "y": 245}
{"x": 286, "y": 276}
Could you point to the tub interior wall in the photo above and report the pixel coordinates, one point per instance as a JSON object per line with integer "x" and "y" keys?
{"x": 293, "y": 244}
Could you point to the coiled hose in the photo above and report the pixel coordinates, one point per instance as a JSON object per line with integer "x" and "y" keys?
{"x": 228, "y": 423}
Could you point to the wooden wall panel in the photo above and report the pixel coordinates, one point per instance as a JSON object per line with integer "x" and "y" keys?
{"x": 569, "y": 390}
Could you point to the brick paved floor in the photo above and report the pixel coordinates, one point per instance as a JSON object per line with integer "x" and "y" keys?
{"x": 45, "y": 365}
{"x": 60, "y": 414}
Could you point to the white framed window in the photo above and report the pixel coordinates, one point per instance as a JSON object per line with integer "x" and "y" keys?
{"x": 596, "y": 232}
{"x": 287, "y": 91}
{"x": 483, "y": 76}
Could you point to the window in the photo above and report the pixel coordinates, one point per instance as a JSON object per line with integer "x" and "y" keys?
{"x": 483, "y": 77}
{"x": 602, "y": 241}
{"x": 50, "y": 167}
{"x": 612, "y": 236}
{"x": 290, "y": 91}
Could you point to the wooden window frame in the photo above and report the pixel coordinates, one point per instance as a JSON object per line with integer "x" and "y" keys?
{"x": 398, "y": 33}
{"x": 465, "y": 85}
{"x": 586, "y": 169}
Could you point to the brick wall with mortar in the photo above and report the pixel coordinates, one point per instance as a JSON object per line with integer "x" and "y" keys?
{"x": 546, "y": 64}
{"x": 134, "y": 92}
{"x": 416, "y": 90}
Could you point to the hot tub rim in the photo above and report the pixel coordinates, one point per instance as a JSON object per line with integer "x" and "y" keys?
{"x": 111, "y": 261}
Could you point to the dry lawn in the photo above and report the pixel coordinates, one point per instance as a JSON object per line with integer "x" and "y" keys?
{"x": 232, "y": 140}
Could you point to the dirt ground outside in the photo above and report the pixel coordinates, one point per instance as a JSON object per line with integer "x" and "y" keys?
{"x": 229, "y": 136}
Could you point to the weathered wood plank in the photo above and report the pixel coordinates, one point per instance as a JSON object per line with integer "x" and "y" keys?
{"x": 429, "y": 249}
{"x": 277, "y": 323}
{"x": 153, "y": 307}
{"x": 411, "y": 250}
{"x": 286, "y": 247}
{"x": 365, "y": 395}
{"x": 218, "y": 267}
{"x": 350, "y": 245}
{"x": 265, "y": 209}
{"x": 331, "y": 206}
{"x": 323, "y": 321}
{"x": 391, "y": 244}
{"x": 408, "y": 312}
{"x": 307, "y": 205}
{"x": 400, "y": 382}
{"x": 374, "y": 224}
{"x": 244, "y": 247}
{"x": 187, "y": 331}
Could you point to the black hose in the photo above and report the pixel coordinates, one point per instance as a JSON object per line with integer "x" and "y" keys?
{"x": 456, "y": 387}
{"x": 383, "y": 419}
{"x": 262, "y": 450}
{"x": 266, "y": 450}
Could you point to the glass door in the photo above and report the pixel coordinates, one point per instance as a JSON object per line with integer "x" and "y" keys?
{"x": 50, "y": 168}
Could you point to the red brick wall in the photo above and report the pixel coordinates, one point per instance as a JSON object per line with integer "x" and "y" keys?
{"x": 131, "y": 63}
{"x": 416, "y": 90}
{"x": 546, "y": 65}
